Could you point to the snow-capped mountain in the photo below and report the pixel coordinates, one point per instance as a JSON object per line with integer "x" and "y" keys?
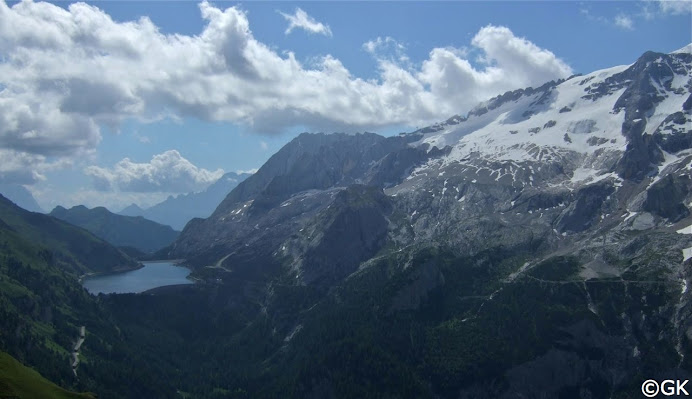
{"x": 577, "y": 192}
{"x": 584, "y": 123}
{"x": 619, "y": 126}
{"x": 588, "y": 152}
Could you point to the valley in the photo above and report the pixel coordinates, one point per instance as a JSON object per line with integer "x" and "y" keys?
{"x": 537, "y": 246}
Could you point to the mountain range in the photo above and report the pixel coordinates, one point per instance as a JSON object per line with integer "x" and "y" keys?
{"x": 538, "y": 246}
{"x": 120, "y": 231}
{"x": 177, "y": 211}
{"x": 568, "y": 201}
{"x": 69, "y": 247}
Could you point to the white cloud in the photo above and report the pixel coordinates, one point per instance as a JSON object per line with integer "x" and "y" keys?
{"x": 651, "y": 9}
{"x": 141, "y": 138}
{"x": 520, "y": 61}
{"x": 511, "y": 62}
{"x": 372, "y": 46}
{"x": 675, "y": 7}
{"x": 21, "y": 168}
{"x": 387, "y": 47}
{"x": 263, "y": 145}
{"x": 26, "y": 168}
{"x": 64, "y": 73}
{"x": 301, "y": 20}
{"x": 168, "y": 172}
{"x": 624, "y": 22}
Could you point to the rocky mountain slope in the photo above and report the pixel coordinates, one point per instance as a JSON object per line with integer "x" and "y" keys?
{"x": 538, "y": 245}
{"x": 120, "y": 231}
{"x": 177, "y": 211}
{"x": 592, "y": 150}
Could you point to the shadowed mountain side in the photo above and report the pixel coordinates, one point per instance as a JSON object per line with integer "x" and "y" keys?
{"x": 72, "y": 247}
{"x": 120, "y": 231}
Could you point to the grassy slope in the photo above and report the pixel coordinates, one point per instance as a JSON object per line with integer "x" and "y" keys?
{"x": 42, "y": 306}
{"x": 17, "y": 380}
{"x": 75, "y": 249}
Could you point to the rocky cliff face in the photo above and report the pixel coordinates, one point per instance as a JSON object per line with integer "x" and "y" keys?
{"x": 291, "y": 189}
{"x": 351, "y": 230}
{"x": 569, "y": 200}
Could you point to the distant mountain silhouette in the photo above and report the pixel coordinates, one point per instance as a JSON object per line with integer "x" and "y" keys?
{"x": 177, "y": 211}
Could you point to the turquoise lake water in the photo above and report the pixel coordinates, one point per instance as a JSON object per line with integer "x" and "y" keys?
{"x": 152, "y": 275}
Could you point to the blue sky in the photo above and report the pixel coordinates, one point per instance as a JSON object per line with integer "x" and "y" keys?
{"x": 102, "y": 107}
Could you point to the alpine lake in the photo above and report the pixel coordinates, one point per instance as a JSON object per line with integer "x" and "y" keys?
{"x": 152, "y": 275}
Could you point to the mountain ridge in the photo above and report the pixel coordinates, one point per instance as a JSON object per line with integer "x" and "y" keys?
{"x": 121, "y": 231}
{"x": 576, "y": 191}
{"x": 74, "y": 248}
{"x": 590, "y": 146}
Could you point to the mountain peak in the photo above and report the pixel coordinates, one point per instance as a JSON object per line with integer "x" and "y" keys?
{"x": 609, "y": 120}
{"x": 131, "y": 210}
{"x": 686, "y": 49}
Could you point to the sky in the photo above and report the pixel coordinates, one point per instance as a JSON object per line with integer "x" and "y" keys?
{"x": 109, "y": 103}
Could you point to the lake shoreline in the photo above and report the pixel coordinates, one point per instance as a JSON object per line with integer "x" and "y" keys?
{"x": 173, "y": 261}
{"x": 149, "y": 275}
{"x": 117, "y": 270}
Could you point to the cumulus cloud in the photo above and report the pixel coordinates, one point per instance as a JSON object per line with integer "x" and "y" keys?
{"x": 64, "y": 73}
{"x": 624, "y": 22}
{"x": 301, "y": 20}
{"x": 510, "y": 62}
{"x": 167, "y": 172}
{"x": 21, "y": 168}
